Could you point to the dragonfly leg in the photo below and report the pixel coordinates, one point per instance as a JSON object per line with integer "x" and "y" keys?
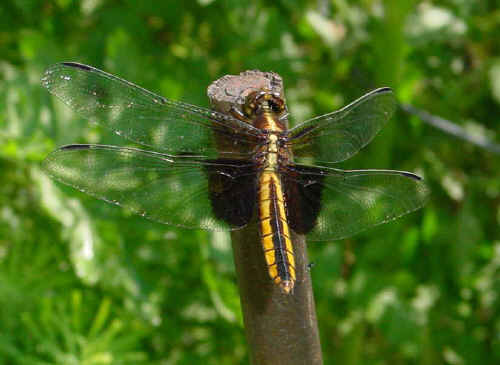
{"x": 238, "y": 114}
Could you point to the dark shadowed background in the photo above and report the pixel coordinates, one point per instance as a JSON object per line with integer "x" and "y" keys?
{"x": 84, "y": 282}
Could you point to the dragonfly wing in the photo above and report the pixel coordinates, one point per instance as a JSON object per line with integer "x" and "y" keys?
{"x": 337, "y": 136}
{"x": 144, "y": 117}
{"x": 182, "y": 191}
{"x": 331, "y": 204}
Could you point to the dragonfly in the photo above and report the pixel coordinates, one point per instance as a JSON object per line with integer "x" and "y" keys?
{"x": 199, "y": 168}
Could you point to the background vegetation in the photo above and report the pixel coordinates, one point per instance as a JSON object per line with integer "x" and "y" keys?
{"x": 83, "y": 282}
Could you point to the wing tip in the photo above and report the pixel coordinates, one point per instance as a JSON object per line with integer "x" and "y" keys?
{"x": 385, "y": 90}
{"x": 382, "y": 90}
{"x": 75, "y": 147}
{"x": 77, "y": 65}
{"x": 60, "y": 65}
{"x": 412, "y": 175}
{"x": 55, "y": 73}
{"x": 46, "y": 163}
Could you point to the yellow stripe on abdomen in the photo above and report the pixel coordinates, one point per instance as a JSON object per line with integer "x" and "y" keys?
{"x": 275, "y": 233}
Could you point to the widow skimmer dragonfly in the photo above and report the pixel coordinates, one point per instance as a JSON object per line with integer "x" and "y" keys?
{"x": 217, "y": 171}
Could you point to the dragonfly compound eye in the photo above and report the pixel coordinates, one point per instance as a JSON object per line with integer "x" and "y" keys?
{"x": 277, "y": 105}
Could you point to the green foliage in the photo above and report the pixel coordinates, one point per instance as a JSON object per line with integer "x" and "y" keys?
{"x": 82, "y": 282}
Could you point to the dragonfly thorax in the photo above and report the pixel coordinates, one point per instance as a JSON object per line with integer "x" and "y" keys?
{"x": 264, "y": 110}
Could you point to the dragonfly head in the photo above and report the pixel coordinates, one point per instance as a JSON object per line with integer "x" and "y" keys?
{"x": 262, "y": 101}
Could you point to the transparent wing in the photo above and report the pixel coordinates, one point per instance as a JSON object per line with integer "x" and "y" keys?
{"x": 331, "y": 204}
{"x": 183, "y": 191}
{"x": 144, "y": 117}
{"x": 337, "y": 136}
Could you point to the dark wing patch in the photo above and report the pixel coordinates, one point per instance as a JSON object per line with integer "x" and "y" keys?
{"x": 302, "y": 188}
{"x": 233, "y": 194}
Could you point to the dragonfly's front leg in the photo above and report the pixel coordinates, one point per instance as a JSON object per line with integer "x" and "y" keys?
{"x": 238, "y": 114}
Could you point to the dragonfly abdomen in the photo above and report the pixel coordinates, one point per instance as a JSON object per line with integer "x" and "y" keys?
{"x": 275, "y": 232}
